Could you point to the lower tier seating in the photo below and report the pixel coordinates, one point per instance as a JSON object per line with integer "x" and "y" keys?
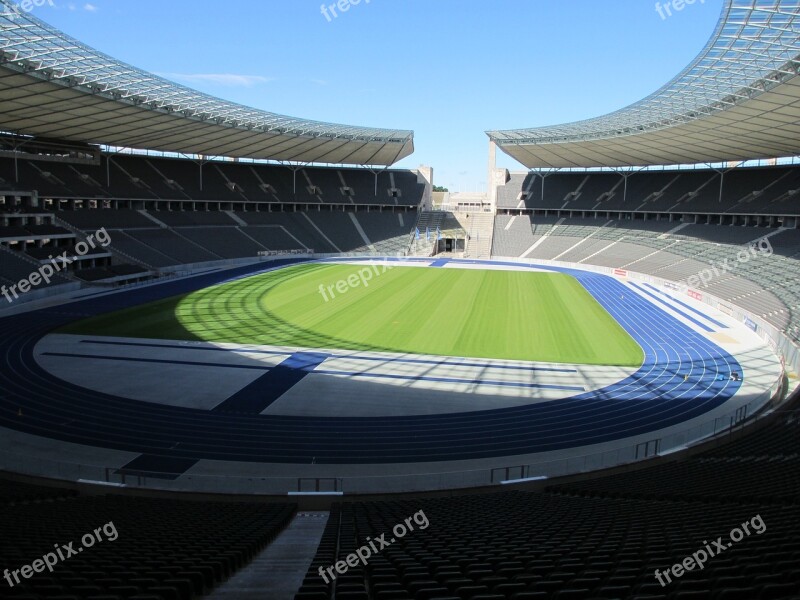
{"x": 153, "y": 549}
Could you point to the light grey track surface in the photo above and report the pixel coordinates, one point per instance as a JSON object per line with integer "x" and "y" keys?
{"x": 202, "y": 375}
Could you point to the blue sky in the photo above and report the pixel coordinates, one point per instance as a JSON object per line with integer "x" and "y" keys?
{"x": 448, "y": 69}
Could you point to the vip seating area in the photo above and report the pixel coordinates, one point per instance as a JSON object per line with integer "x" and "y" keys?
{"x": 164, "y": 549}
{"x": 768, "y": 190}
{"x": 30, "y": 239}
{"x": 766, "y": 285}
{"x": 148, "y": 178}
{"x": 15, "y": 266}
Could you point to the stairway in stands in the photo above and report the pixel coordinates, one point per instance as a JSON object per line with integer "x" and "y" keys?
{"x": 481, "y": 234}
{"x": 429, "y": 220}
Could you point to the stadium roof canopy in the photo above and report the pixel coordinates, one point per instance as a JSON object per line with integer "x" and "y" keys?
{"x": 738, "y": 100}
{"x": 53, "y": 86}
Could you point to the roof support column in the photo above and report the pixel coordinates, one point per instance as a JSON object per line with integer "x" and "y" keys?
{"x": 294, "y": 169}
{"x": 17, "y": 145}
{"x": 625, "y": 174}
{"x": 625, "y": 188}
{"x": 543, "y": 174}
{"x": 201, "y": 161}
{"x": 721, "y": 172}
{"x": 375, "y": 173}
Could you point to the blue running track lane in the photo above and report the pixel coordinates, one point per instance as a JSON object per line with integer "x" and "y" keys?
{"x": 656, "y": 298}
{"x": 687, "y": 307}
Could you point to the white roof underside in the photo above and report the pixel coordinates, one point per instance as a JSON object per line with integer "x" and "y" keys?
{"x": 53, "y": 86}
{"x": 738, "y": 100}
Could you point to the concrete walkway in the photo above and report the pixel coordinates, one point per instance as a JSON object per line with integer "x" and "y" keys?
{"x": 278, "y": 572}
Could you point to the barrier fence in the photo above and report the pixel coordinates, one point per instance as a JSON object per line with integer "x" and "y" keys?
{"x": 627, "y": 452}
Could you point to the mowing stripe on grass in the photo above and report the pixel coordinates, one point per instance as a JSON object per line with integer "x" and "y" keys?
{"x": 471, "y": 313}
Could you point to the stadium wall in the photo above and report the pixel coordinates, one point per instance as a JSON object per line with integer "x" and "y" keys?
{"x": 425, "y": 176}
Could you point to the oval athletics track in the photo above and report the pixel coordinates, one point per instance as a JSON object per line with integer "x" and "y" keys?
{"x": 654, "y": 397}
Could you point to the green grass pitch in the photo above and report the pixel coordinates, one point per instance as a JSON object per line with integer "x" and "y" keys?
{"x": 515, "y": 315}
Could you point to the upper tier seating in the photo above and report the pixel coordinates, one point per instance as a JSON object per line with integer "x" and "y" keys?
{"x": 763, "y": 190}
{"x": 151, "y": 178}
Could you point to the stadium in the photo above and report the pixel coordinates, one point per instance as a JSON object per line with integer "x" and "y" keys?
{"x": 244, "y": 348}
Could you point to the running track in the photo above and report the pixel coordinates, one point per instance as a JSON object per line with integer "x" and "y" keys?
{"x": 654, "y": 397}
